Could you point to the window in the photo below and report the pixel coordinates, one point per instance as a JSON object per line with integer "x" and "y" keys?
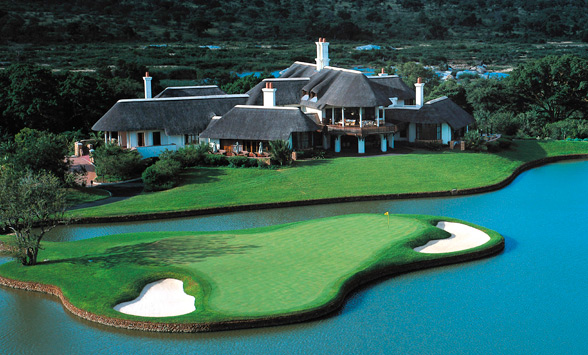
{"x": 141, "y": 139}
{"x": 156, "y": 138}
{"x": 190, "y": 139}
{"x": 438, "y": 132}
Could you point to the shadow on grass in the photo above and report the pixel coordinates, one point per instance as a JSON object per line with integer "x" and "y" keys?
{"x": 523, "y": 150}
{"x": 165, "y": 252}
{"x": 201, "y": 175}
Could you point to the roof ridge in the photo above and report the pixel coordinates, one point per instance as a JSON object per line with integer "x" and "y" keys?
{"x": 436, "y": 100}
{"x": 227, "y": 96}
{"x": 192, "y": 87}
{"x": 286, "y": 79}
{"x": 269, "y": 107}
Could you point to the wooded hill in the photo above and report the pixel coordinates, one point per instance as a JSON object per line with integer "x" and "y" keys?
{"x": 90, "y": 21}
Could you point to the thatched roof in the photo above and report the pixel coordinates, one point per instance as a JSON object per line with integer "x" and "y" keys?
{"x": 300, "y": 70}
{"x": 441, "y": 110}
{"x": 392, "y": 86}
{"x": 187, "y": 115}
{"x": 288, "y": 91}
{"x": 186, "y": 91}
{"x": 259, "y": 123}
{"x": 344, "y": 88}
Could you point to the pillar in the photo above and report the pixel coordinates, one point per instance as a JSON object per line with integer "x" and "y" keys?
{"x": 445, "y": 133}
{"x": 290, "y": 141}
{"x": 325, "y": 141}
{"x": 384, "y": 143}
{"x": 360, "y": 145}
{"x": 412, "y": 132}
{"x": 391, "y": 141}
{"x": 338, "y": 144}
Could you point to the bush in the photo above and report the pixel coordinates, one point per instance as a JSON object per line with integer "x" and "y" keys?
{"x": 114, "y": 163}
{"x": 238, "y": 162}
{"x": 162, "y": 175}
{"x": 504, "y": 142}
{"x": 280, "y": 153}
{"x": 474, "y": 140}
{"x": 567, "y": 129}
{"x": 215, "y": 160}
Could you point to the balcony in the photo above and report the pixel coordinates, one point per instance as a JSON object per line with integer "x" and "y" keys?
{"x": 367, "y": 128}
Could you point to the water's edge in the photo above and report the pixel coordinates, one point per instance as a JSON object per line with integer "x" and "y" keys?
{"x": 351, "y": 286}
{"x": 399, "y": 196}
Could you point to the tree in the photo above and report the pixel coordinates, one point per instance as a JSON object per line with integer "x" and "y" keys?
{"x": 31, "y": 97}
{"x": 555, "y": 87}
{"x": 411, "y": 71}
{"x": 31, "y": 205}
{"x": 33, "y": 150}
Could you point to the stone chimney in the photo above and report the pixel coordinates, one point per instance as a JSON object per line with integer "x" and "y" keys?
{"x": 269, "y": 95}
{"x": 322, "y": 54}
{"x": 420, "y": 92}
{"x": 147, "y": 81}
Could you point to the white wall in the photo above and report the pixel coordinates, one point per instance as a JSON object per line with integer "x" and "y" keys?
{"x": 445, "y": 133}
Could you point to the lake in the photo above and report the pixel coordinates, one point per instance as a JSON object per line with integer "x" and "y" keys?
{"x": 529, "y": 299}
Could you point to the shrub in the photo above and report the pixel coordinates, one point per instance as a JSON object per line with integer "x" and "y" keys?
{"x": 114, "y": 163}
{"x": 193, "y": 155}
{"x": 280, "y": 152}
{"x": 215, "y": 160}
{"x": 238, "y": 162}
{"x": 162, "y": 175}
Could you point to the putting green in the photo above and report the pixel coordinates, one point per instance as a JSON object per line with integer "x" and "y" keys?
{"x": 265, "y": 272}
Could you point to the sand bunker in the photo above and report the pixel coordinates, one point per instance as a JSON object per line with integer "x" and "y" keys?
{"x": 462, "y": 237}
{"x": 163, "y": 298}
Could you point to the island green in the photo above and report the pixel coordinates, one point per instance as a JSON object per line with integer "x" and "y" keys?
{"x": 276, "y": 271}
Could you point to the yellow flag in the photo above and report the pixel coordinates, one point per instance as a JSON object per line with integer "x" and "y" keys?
{"x": 386, "y": 214}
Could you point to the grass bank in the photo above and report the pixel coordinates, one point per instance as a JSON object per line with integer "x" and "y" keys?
{"x": 421, "y": 171}
{"x": 270, "y": 275}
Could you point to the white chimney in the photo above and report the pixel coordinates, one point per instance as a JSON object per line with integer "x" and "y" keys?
{"x": 420, "y": 92}
{"x": 147, "y": 80}
{"x": 269, "y": 95}
{"x": 322, "y": 54}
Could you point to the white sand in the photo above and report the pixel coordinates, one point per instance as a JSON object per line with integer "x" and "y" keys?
{"x": 163, "y": 298}
{"x": 462, "y": 237}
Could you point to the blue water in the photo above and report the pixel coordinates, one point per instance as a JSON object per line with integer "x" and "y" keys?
{"x": 529, "y": 299}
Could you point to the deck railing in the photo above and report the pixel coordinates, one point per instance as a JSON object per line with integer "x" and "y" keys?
{"x": 356, "y": 130}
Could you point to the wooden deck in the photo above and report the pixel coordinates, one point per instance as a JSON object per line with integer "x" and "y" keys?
{"x": 356, "y": 130}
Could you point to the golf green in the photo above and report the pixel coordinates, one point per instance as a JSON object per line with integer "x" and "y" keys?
{"x": 288, "y": 272}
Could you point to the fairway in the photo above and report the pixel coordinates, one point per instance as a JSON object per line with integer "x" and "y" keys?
{"x": 283, "y": 270}
{"x": 421, "y": 171}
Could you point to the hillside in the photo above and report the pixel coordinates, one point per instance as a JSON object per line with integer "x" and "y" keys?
{"x": 90, "y": 21}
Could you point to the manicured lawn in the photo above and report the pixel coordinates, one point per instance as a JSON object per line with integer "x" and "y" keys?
{"x": 261, "y": 272}
{"x": 353, "y": 176}
{"x": 76, "y": 196}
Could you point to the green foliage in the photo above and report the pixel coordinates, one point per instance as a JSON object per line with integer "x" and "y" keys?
{"x": 555, "y": 87}
{"x": 30, "y": 200}
{"x": 191, "y": 155}
{"x": 410, "y": 72}
{"x": 162, "y": 175}
{"x": 114, "y": 163}
{"x": 244, "y": 84}
{"x": 280, "y": 152}
{"x": 33, "y": 150}
{"x": 242, "y": 162}
{"x": 216, "y": 160}
{"x": 567, "y": 128}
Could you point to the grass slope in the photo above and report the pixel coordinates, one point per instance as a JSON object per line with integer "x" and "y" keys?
{"x": 339, "y": 177}
{"x": 244, "y": 274}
